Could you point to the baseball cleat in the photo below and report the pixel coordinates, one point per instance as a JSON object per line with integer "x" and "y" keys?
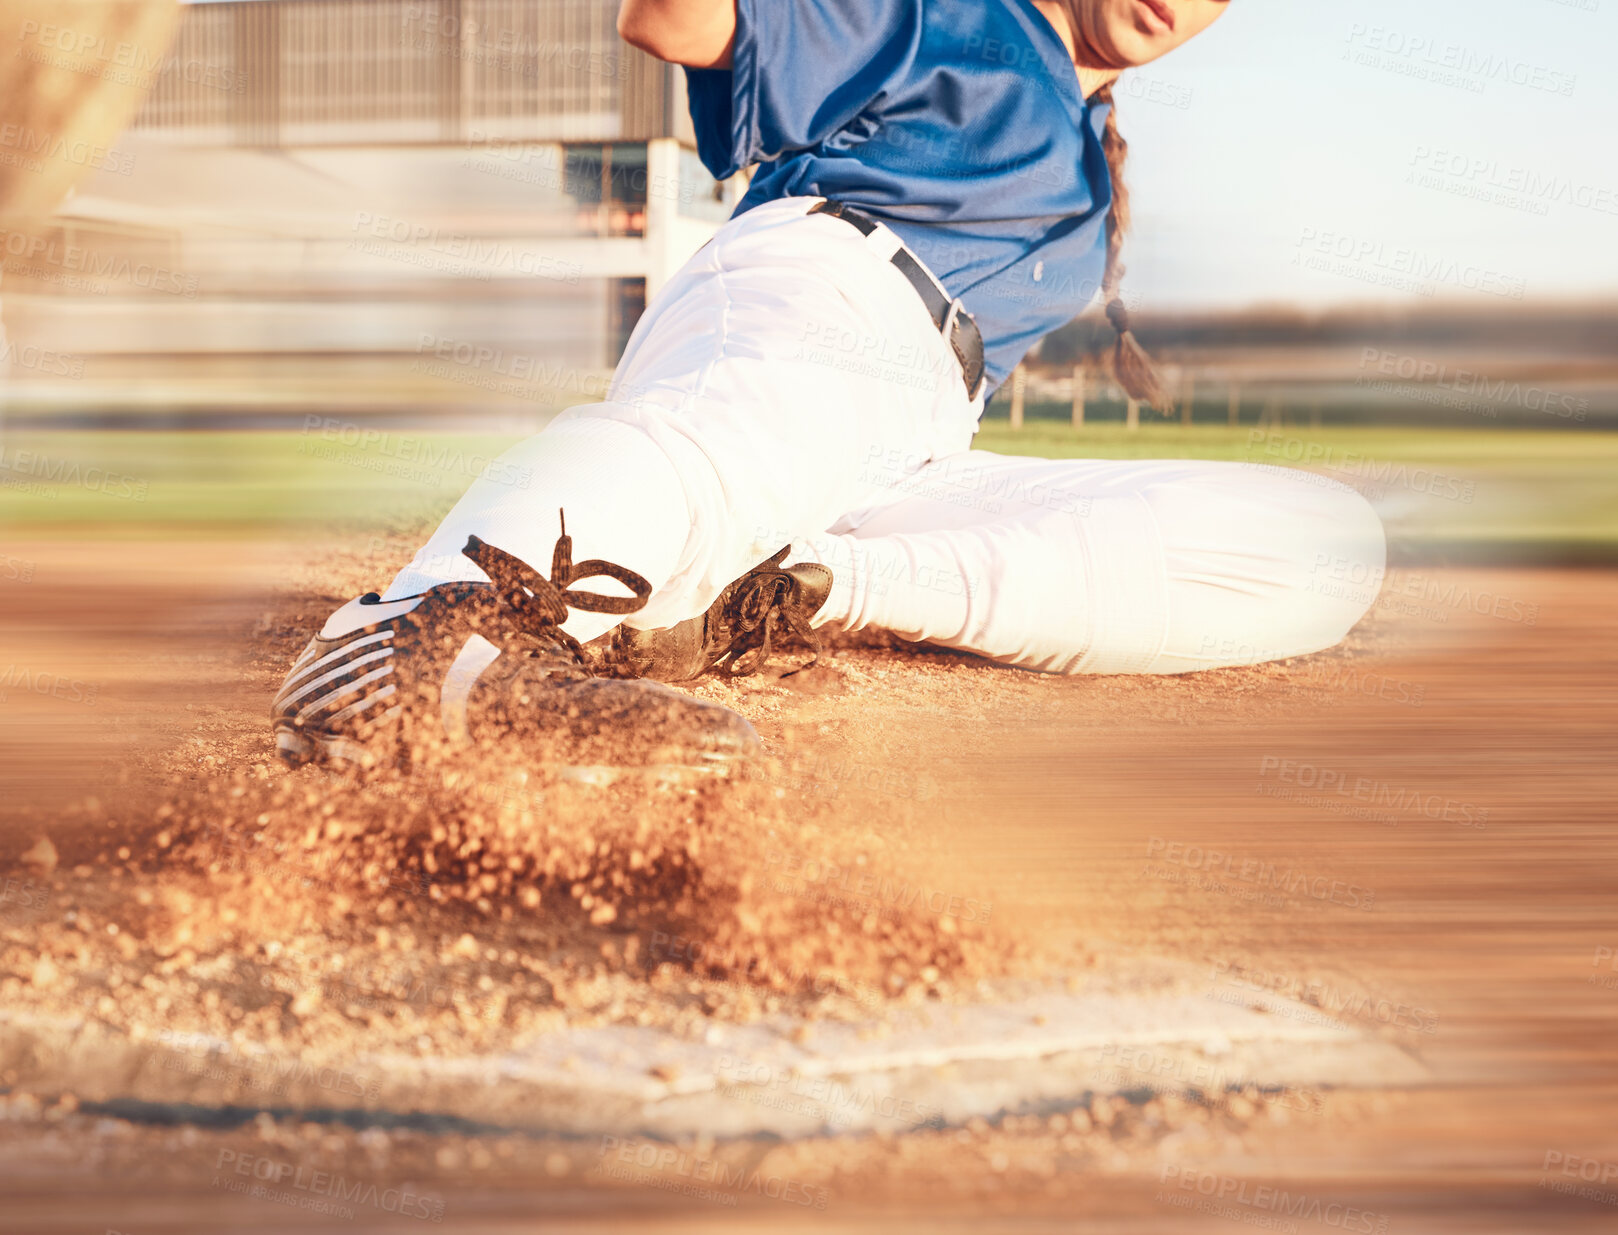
{"x": 388, "y": 680}
{"x": 738, "y": 630}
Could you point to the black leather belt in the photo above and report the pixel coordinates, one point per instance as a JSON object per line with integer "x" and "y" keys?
{"x": 948, "y": 314}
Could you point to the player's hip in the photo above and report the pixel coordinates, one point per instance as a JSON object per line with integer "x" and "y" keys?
{"x": 800, "y": 303}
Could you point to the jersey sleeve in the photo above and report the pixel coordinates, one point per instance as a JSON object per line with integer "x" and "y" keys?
{"x": 800, "y": 71}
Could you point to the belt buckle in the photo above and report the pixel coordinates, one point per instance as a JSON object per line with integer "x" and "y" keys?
{"x": 951, "y": 320}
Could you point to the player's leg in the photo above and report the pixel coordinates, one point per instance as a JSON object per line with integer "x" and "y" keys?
{"x": 1108, "y": 567}
{"x": 786, "y": 374}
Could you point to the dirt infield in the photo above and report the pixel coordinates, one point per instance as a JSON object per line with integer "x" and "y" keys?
{"x": 1412, "y": 833}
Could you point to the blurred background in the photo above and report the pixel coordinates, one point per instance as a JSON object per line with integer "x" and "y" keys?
{"x": 320, "y": 197}
{"x": 1357, "y": 230}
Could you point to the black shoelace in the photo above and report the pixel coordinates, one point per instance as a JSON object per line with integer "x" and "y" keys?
{"x": 761, "y": 605}
{"x": 540, "y": 605}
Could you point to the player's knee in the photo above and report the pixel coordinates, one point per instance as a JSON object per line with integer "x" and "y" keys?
{"x": 1340, "y": 555}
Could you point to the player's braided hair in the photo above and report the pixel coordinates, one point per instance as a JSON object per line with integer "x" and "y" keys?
{"x": 1131, "y": 366}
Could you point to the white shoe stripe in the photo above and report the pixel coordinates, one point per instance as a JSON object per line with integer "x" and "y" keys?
{"x": 302, "y": 669}
{"x": 355, "y": 708}
{"x": 476, "y": 655}
{"x": 345, "y": 689}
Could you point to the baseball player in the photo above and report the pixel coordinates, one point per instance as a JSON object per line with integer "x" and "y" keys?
{"x": 786, "y": 442}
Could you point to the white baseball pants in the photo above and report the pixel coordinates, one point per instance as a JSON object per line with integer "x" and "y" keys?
{"x": 788, "y": 386}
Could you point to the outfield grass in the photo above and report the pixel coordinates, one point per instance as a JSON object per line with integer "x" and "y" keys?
{"x": 1554, "y": 448}
{"x": 1472, "y": 492}
{"x": 202, "y": 479}
{"x": 1474, "y": 487}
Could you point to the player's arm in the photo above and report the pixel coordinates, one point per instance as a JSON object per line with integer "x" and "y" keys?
{"x": 697, "y": 33}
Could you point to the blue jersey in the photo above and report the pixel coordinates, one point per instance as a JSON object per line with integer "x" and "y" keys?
{"x": 959, "y": 123}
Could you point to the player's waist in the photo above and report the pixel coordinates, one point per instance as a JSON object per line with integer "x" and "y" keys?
{"x": 949, "y": 316}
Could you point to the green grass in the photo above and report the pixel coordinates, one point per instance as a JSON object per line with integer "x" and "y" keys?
{"x": 231, "y": 479}
{"x": 1541, "y": 490}
{"x": 1544, "y": 493}
{"x": 1556, "y": 449}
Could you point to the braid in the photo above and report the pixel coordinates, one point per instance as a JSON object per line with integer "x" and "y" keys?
{"x": 1131, "y": 366}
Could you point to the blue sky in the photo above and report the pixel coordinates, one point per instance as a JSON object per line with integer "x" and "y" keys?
{"x": 1379, "y": 151}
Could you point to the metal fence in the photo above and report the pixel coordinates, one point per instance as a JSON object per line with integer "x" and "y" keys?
{"x": 348, "y": 72}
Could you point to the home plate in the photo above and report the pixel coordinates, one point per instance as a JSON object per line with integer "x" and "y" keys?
{"x": 915, "y": 1066}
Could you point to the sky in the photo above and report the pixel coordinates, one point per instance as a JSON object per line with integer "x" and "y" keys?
{"x": 1305, "y": 153}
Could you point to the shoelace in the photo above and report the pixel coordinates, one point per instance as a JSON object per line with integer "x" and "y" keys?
{"x": 756, "y": 610}
{"x": 540, "y": 605}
